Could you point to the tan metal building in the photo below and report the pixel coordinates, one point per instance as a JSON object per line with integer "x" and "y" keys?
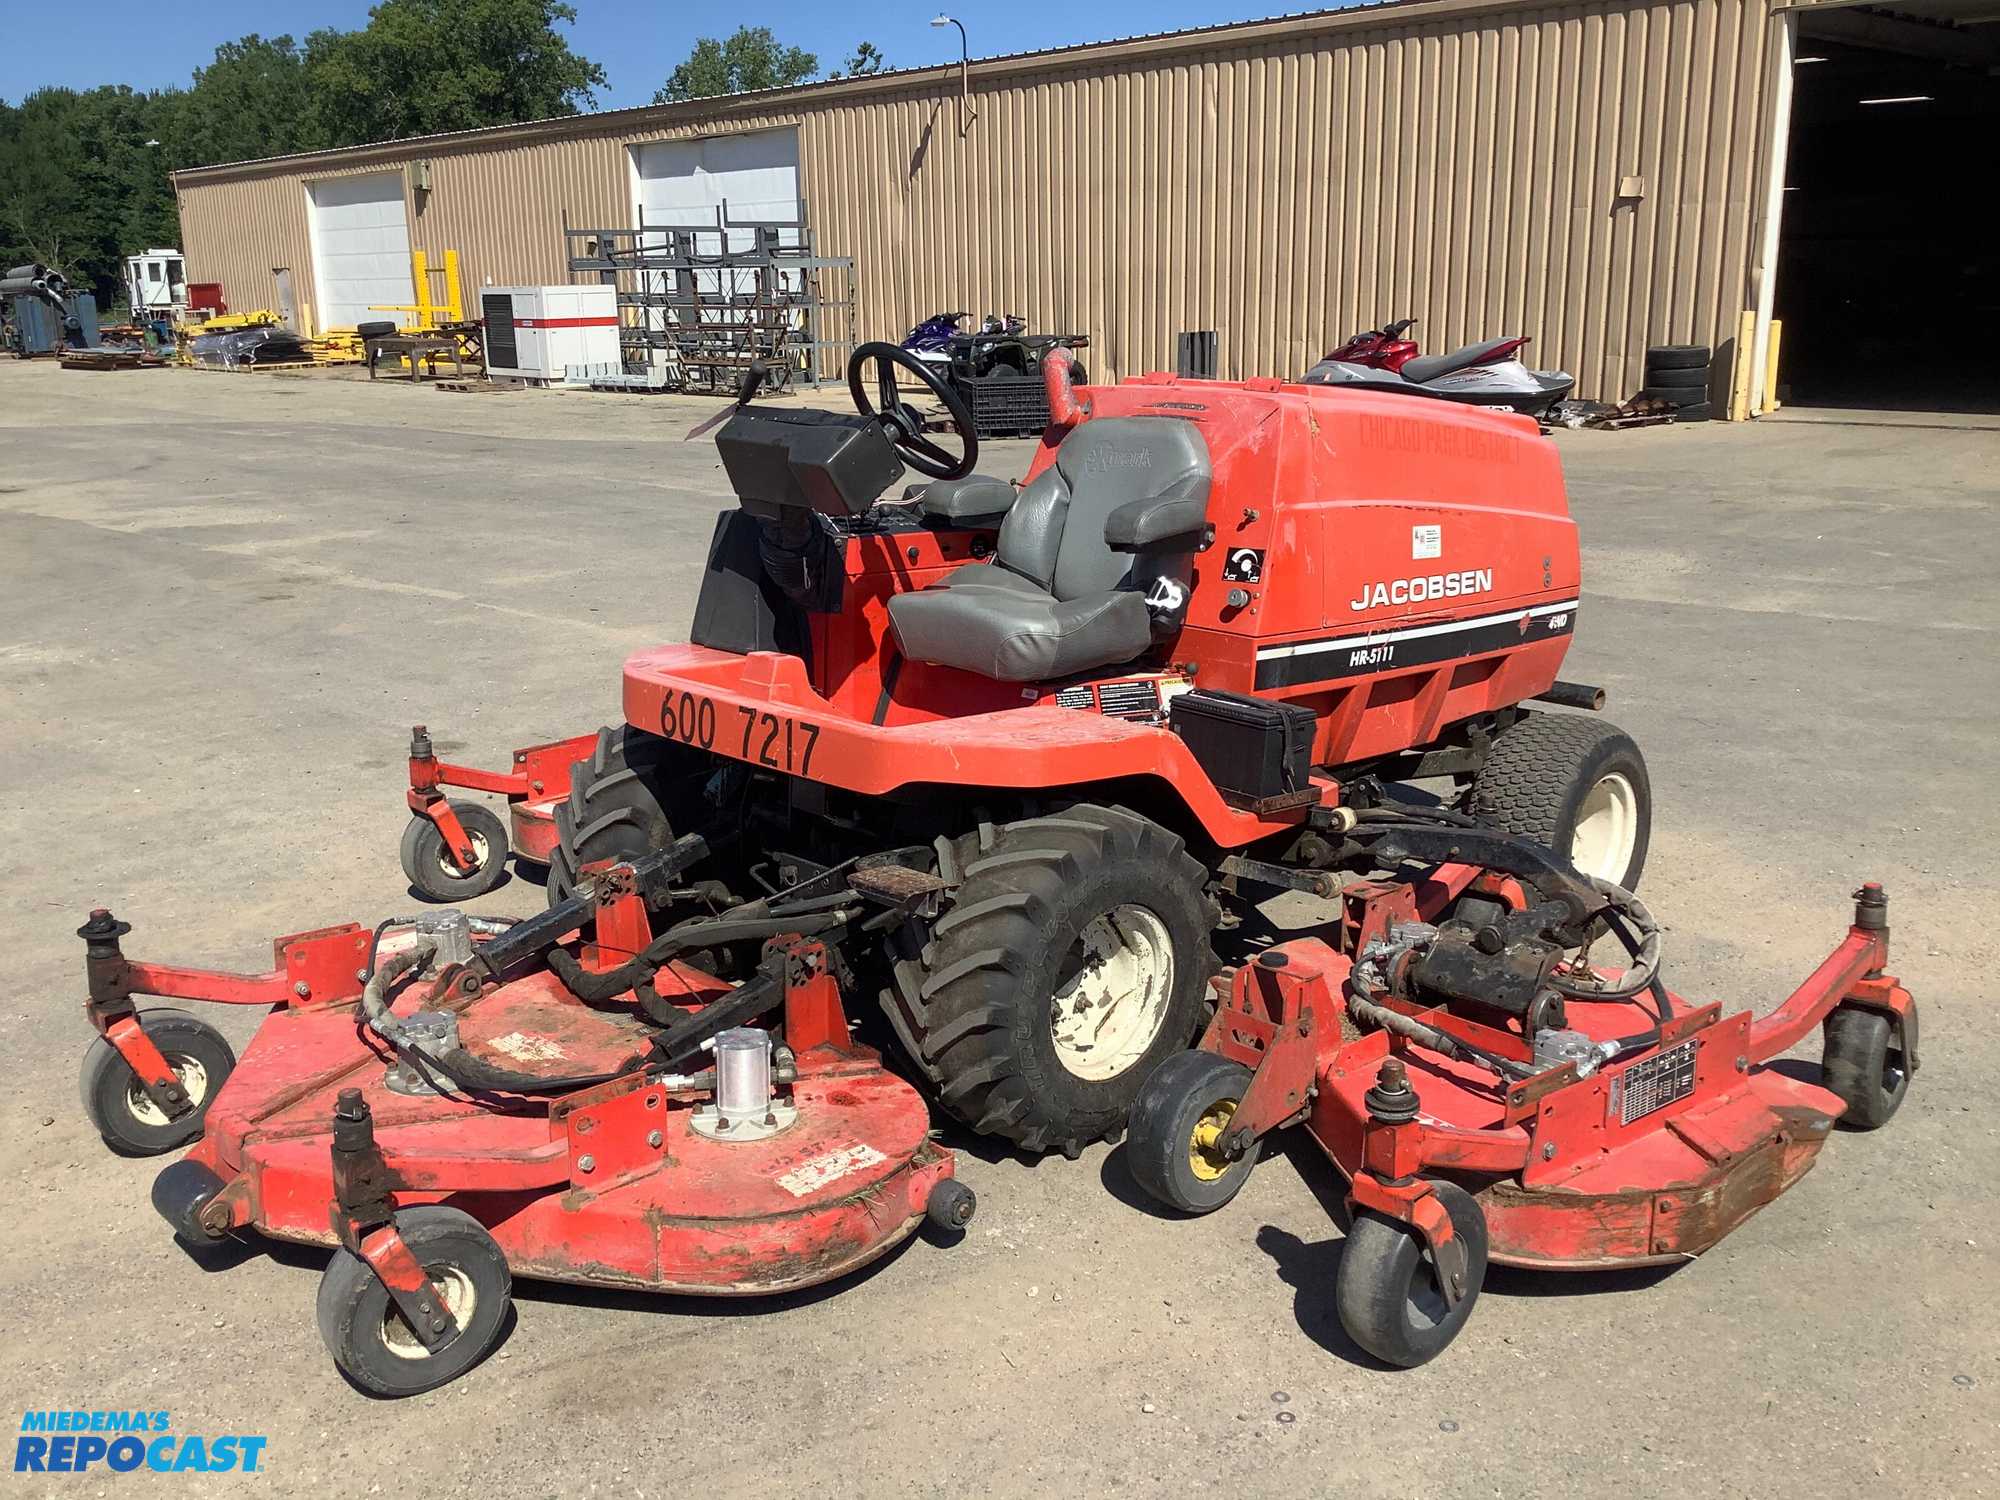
{"x": 1596, "y": 174}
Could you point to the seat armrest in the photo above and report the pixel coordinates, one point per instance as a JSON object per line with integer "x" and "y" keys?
{"x": 977, "y": 497}
{"x": 1139, "y": 525}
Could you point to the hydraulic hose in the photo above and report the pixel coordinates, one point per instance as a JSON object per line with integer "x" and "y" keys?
{"x": 1642, "y": 940}
{"x": 696, "y": 933}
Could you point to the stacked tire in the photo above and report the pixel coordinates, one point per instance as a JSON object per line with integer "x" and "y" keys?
{"x": 1680, "y": 374}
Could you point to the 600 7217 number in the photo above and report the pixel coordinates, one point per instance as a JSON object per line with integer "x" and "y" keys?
{"x": 777, "y": 741}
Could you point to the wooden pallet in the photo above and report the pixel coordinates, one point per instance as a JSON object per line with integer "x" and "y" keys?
{"x": 473, "y": 387}
{"x": 290, "y": 364}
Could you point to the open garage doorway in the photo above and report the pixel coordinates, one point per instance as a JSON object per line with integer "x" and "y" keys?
{"x": 1888, "y": 269}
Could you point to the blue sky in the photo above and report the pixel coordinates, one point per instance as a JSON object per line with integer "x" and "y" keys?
{"x": 637, "y": 42}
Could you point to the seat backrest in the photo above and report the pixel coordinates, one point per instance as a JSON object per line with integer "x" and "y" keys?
{"x": 1054, "y": 533}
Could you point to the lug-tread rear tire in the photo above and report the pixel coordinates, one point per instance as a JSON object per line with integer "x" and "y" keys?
{"x": 622, "y": 802}
{"x": 1540, "y": 771}
{"x": 1864, "y": 1066}
{"x": 980, "y": 1005}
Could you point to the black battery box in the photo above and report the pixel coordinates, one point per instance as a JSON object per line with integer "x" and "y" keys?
{"x": 1257, "y": 751}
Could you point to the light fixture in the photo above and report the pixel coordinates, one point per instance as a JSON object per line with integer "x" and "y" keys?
{"x": 965, "y": 114}
{"x": 1800, "y": 62}
{"x": 1902, "y": 99}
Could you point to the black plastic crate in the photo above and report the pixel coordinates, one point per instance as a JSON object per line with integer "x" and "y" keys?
{"x": 1257, "y": 751}
{"x": 1006, "y": 406}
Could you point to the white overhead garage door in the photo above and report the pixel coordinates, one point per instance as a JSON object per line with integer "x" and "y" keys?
{"x": 754, "y": 176}
{"x": 361, "y": 248}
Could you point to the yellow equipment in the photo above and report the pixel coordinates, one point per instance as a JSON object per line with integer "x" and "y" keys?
{"x": 431, "y": 316}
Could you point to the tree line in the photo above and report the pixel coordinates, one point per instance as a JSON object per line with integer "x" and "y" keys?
{"x": 84, "y": 173}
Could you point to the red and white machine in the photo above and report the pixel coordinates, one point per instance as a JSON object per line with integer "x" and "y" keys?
{"x": 540, "y": 332}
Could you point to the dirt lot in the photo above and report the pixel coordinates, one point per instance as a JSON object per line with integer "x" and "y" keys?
{"x": 223, "y": 600}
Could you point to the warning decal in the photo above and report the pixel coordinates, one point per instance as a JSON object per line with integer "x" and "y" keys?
{"x": 810, "y": 1177}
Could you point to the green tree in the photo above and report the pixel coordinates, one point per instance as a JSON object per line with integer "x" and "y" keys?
{"x": 866, "y": 61}
{"x": 80, "y": 187}
{"x": 422, "y": 66}
{"x": 752, "y": 58}
{"x": 253, "y": 100}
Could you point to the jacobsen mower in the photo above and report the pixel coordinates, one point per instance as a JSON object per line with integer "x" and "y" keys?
{"x": 993, "y": 764}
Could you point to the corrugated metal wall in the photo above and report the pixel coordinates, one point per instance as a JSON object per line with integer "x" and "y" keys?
{"x": 1282, "y": 183}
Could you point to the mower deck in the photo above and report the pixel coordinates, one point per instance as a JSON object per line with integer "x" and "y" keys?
{"x": 582, "y": 1195}
{"x": 1650, "y": 1193}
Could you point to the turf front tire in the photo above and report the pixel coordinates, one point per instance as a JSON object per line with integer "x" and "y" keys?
{"x": 1072, "y": 963}
{"x": 1173, "y": 1143}
{"x": 428, "y": 864}
{"x": 623, "y": 802}
{"x": 1576, "y": 785}
{"x": 365, "y": 1331}
{"x": 125, "y": 1115}
{"x": 1864, "y": 1064}
{"x": 1387, "y": 1291}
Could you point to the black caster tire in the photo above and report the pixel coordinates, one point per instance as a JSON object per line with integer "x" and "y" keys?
{"x": 1173, "y": 1139}
{"x": 130, "y": 1122}
{"x": 428, "y": 865}
{"x": 1863, "y": 1064}
{"x": 365, "y": 1332}
{"x": 1387, "y": 1292}
{"x": 951, "y": 1205}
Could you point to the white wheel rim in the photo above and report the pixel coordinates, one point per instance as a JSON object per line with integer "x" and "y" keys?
{"x": 461, "y": 1299}
{"x": 1607, "y": 828}
{"x": 1108, "y": 1014}
{"x": 194, "y": 1084}
{"x": 450, "y": 866}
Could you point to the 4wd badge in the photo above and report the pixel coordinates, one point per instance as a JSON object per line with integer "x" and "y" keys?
{"x": 1243, "y": 565}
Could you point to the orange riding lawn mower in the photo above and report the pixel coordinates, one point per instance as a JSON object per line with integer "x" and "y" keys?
{"x": 991, "y": 781}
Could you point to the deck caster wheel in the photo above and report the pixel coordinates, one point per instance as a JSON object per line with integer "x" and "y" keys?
{"x": 429, "y": 865}
{"x": 125, "y": 1115}
{"x": 1179, "y": 1123}
{"x": 1387, "y": 1288}
{"x": 951, "y": 1205}
{"x": 365, "y": 1332}
{"x": 1863, "y": 1064}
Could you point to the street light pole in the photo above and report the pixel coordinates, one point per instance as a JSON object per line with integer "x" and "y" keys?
{"x": 965, "y": 112}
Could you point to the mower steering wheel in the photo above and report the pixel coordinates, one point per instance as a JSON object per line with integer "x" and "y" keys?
{"x": 900, "y": 420}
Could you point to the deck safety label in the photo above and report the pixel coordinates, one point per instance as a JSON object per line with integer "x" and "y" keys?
{"x": 1657, "y": 1082}
{"x": 811, "y": 1176}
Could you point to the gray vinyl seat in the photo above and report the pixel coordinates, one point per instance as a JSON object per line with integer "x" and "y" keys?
{"x": 1430, "y": 366}
{"x": 1121, "y": 508}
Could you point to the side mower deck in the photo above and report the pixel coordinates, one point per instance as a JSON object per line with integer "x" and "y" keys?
{"x": 612, "y": 1187}
{"x": 474, "y": 1100}
{"x": 1584, "y": 1147}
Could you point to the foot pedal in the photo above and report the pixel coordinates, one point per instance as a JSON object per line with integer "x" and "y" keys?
{"x": 896, "y": 885}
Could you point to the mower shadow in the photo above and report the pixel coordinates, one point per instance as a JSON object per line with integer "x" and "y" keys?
{"x": 507, "y": 878}
{"x": 1310, "y": 1268}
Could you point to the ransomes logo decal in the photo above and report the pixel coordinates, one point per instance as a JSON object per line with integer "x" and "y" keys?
{"x": 1417, "y": 590}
